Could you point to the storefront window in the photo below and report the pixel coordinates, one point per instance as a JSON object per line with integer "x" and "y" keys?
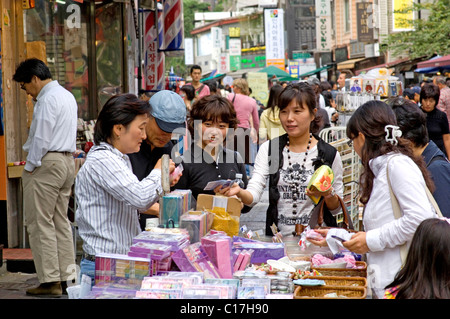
{"x": 75, "y": 43}
{"x": 60, "y": 29}
{"x": 108, "y": 42}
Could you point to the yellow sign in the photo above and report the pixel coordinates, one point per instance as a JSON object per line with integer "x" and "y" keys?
{"x": 403, "y": 15}
{"x": 260, "y": 89}
{"x": 234, "y": 32}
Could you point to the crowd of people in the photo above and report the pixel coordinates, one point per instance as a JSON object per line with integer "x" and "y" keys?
{"x": 403, "y": 144}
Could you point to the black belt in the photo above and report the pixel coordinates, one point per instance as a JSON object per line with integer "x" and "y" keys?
{"x": 88, "y": 257}
{"x": 64, "y": 153}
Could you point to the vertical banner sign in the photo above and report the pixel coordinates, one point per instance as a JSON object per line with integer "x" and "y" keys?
{"x": 235, "y": 53}
{"x": 364, "y": 21}
{"x": 216, "y": 36}
{"x": 224, "y": 63}
{"x": 323, "y": 25}
{"x": 274, "y": 35}
{"x": 154, "y": 60}
{"x": 188, "y": 51}
{"x": 173, "y": 25}
{"x": 402, "y": 21}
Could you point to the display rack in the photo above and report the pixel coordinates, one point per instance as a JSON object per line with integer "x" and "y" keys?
{"x": 336, "y": 136}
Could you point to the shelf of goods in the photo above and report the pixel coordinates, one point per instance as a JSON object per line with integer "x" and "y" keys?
{"x": 336, "y": 136}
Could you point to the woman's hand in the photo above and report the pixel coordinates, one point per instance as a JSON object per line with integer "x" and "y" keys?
{"x": 322, "y": 242}
{"x": 357, "y": 243}
{"x": 229, "y": 191}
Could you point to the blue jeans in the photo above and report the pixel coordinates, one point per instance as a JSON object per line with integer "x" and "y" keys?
{"x": 87, "y": 267}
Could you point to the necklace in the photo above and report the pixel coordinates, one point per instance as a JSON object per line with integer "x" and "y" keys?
{"x": 295, "y": 185}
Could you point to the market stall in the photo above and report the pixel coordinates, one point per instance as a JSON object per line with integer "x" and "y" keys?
{"x": 200, "y": 250}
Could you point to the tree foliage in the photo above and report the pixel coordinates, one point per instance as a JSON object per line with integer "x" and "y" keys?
{"x": 430, "y": 35}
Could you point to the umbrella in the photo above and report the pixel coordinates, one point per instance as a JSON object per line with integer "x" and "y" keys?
{"x": 273, "y": 70}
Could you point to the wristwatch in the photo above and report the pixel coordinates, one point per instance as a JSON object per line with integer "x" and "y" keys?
{"x": 331, "y": 194}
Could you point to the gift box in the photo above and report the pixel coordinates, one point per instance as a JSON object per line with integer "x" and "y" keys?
{"x": 175, "y": 241}
{"x": 123, "y": 269}
{"x": 218, "y": 248}
{"x": 197, "y": 223}
{"x": 262, "y": 251}
{"x": 149, "y": 250}
{"x": 195, "y": 258}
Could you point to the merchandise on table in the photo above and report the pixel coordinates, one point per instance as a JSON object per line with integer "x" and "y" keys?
{"x": 218, "y": 247}
{"x": 262, "y": 251}
{"x": 173, "y": 206}
{"x": 162, "y": 263}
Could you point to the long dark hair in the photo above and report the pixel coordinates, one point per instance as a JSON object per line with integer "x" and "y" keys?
{"x": 274, "y": 93}
{"x": 370, "y": 119}
{"x": 119, "y": 109}
{"x": 411, "y": 120}
{"x": 426, "y": 274}
{"x": 303, "y": 94}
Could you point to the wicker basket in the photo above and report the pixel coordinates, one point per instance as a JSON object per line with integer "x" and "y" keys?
{"x": 340, "y": 281}
{"x": 361, "y": 271}
{"x": 320, "y": 292}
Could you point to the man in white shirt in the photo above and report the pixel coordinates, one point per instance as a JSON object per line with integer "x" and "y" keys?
{"x": 48, "y": 176}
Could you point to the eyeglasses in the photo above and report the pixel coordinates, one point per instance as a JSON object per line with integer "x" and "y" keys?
{"x": 22, "y": 86}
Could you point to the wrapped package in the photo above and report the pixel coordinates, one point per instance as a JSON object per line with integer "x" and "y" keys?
{"x": 322, "y": 180}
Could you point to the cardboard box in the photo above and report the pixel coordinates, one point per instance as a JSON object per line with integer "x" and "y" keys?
{"x": 232, "y": 205}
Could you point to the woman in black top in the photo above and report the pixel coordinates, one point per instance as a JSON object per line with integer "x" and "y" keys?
{"x": 437, "y": 123}
{"x": 210, "y": 120}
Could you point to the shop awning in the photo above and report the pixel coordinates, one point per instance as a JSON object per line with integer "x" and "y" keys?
{"x": 326, "y": 67}
{"x": 443, "y": 61}
{"x": 384, "y": 65}
{"x": 349, "y": 64}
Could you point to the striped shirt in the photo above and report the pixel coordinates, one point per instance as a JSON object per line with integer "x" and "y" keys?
{"x": 108, "y": 197}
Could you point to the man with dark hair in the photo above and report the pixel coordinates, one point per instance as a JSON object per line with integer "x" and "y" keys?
{"x": 408, "y": 94}
{"x": 48, "y": 176}
{"x": 343, "y": 75}
{"x": 201, "y": 89}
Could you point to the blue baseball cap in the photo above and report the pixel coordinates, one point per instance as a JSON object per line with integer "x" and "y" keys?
{"x": 169, "y": 110}
{"x": 416, "y": 89}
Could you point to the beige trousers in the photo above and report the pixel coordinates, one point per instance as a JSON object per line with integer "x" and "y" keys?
{"x": 46, "y": 193}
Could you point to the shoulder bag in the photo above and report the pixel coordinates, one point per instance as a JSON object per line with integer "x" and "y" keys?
{"x": 398, "y": 212}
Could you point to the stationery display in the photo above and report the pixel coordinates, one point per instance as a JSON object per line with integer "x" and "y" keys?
{"x": 262, "y": 251}
{"x": 114, "y": 268}
{"x": 175, "y": 241}
{"x": 195, "y": 258}
{"x": 218, "y": 247}
{"x": 172, "y": 206}
{"x": 197, "y": 223}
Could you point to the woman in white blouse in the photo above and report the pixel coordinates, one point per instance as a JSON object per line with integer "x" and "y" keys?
{"x": 108, "y": 194}
{"x": 376, "y": 139}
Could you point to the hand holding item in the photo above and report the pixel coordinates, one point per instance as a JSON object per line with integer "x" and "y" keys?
{"x": 357, "y": 243}
{"x": 319, "y": 242}
{"x": 175, "y": 173}
{"x": 231, "y": 190}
